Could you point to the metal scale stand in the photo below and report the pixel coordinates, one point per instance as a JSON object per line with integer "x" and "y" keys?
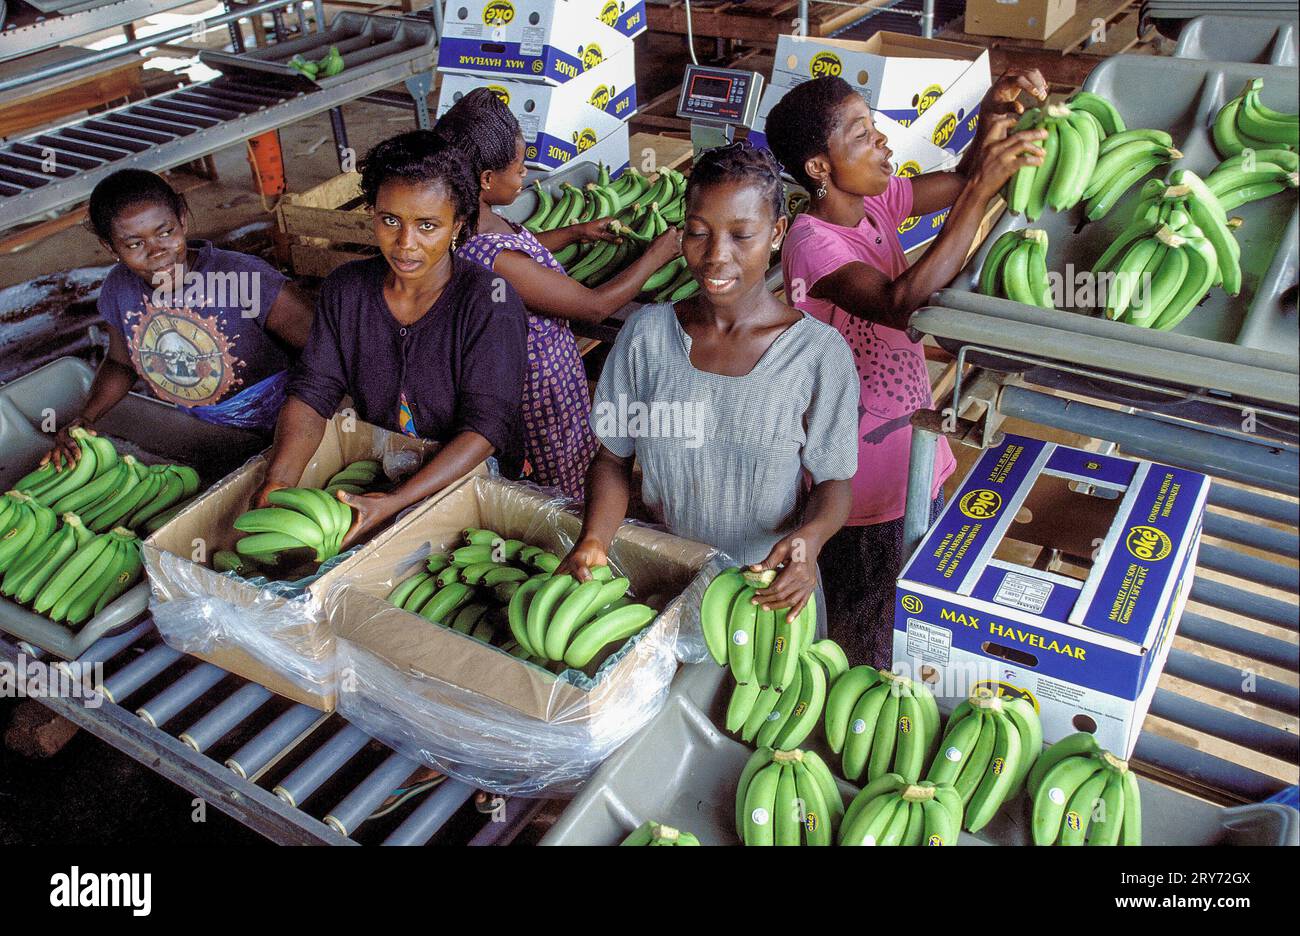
{"x": 717, "y": 101}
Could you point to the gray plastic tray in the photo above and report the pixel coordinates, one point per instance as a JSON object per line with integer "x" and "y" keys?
{"x": 1238, "y": 39}
{"x": 681, "y": 770}
{"x": 522, "y": 208}
{"x": 366, "y": 41}
{"x": 1190, "y": 94}
{"x": 150, "y": 429}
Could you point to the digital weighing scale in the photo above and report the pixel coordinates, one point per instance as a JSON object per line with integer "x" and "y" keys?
{"x": 716, "y": 101}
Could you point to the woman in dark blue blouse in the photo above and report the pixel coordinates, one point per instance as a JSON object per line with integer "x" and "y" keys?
{"x": 423, "y": 342}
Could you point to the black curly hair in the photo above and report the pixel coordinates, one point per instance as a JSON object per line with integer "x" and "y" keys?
{"x": 482, "y": 126}
{"x": 419, "y": 156}
{"x": 738, "y": 162}
{"x": 125, "y": 189}
{"x": 800, "y": 125}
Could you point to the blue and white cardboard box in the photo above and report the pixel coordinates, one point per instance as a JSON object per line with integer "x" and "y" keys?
{"x": 559, "y": 121}
{"x": 1085, "y": 643}
{"x": 547, "y": 41}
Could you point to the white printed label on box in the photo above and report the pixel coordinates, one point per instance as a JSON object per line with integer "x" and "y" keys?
{"x": 529, "y": 126}
{"x": 1023, "y": 592}
{"x": 927, "y": 642}
{"x": 533, "y": 40}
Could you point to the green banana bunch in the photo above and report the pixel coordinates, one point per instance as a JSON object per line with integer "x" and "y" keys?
{"x": 652, "y": 833}
{"x": 1015, "y": 268}
{"x": 1244, "y": 123}
{"x": 1174, "y": 249}
{"x": 881, "y": 723}
{"x": 359, "y": 477}
{"x": 760, "y": 646}
{"x": 98, "y": 571}
{"x": 787, "y": 798}
{"x": 97, "y": 457}
{"x": 1071, "y": 148}
{"x": 1253, "y": 175}
{"x": 1102, "y": 110}
{"x": 298, "y": 518}
{"x": 988, "y": 748}
{"x": 543, "y": 210}
{"x": 1122, "y": 160}
{"x": 892, "y": 811}
{"x": 1084, "y": 795}
{"x": 25, "y": 526}
{"x": 784, "y": 720}
{"x": 28, "y": 574}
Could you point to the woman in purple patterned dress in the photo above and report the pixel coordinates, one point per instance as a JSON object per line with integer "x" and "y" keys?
{"x": 559, "y": 443}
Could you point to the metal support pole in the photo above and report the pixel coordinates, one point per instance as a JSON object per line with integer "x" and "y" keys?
{"x": 420, "y": 87}
{"x": 920, "y": 478}
{"x": 803, "y": 18}
{"x": 432, "y": 814}
{"x": 340, "y": 136}
{"x": 319, "y": 6}
{"x": 236, "y": 34}
{"x": 927, "y": 19}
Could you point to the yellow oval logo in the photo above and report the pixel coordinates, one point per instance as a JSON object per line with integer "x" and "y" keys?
{"x": 531, "y": 152}
{"x": 981, "y": 504}
{"x": 825, "y": 65}
{"x": 1148, "y": 543}
{"x": 600, "y": 97}
{"x": 501, "y": 93}
{"x": 909, "y": 169}
{"x": 998, "y": 763}
{"x": 810, "y": 822}
{"x": 609, "y": 13}
{"x": 778, "y": 646}
{"x": 944, "y": 131}
{"x": 585, "y": 139}
{"x": 591, "y": 57}
{"x": 1004, "y": 690}
{"x": 1073, "y": 821}
{"x": 912, "y": 604}
{"x": 926, "y": 98}
{"x": 905, "y": 724}
{"x": 934, "y": 840}
{"x": 909, "y": 223}
{"x": 498, "y": 13}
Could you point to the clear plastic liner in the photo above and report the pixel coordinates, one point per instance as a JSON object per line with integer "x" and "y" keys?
{"x": 472, "y": 710}
{"x": 273, "y": 632}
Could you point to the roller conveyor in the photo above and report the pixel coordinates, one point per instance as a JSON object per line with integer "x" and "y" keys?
{"x": 231, "y": 743}
{"x": 52, "y": 169}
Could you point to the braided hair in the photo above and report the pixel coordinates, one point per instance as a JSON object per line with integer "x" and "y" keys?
{"x": 125, "y": 189}
{"x": 737, "y": 162}
{"x": 419, "y": 157}
{"x": 800, "y": 125}
{"x": 482, "y": 126}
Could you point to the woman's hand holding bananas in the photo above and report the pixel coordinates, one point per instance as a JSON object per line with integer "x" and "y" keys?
{"x": 587, "y": 554}
{"x": 795, "y": 556}
{"x": 1003, "y": 153}
{"x": 372, "y": 511}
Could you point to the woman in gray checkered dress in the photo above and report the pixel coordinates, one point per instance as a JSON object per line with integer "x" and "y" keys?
{"x": 741, "y": 411}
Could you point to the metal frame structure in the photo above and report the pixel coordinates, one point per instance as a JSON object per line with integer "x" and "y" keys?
{"x": 1196, "y": 438}
{"x": 158, "y": 708}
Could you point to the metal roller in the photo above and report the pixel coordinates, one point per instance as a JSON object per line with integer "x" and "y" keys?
{"x": 268, "y": 743}
{"x": 1248, "y": 643}
{"x": 365, "y": 798}
{"x": 138, "y": 672}
{"x": 169, "y": 703}
{"x": 1248, "y": 604}
{"x": 1229, "y": 726}
{"x": 215, "y": 725}
{"x": 431, "y": 815}
{"x": 323, "y": 763}
{"x": 1232, "y": 681}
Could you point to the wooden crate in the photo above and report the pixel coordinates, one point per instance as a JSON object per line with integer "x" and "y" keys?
{"x": 1076, "y": 35}
{"x": 326, "y": 226}
{"x": 758, "y": 22}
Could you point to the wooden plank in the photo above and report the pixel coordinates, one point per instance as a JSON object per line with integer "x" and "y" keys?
{"x": 751, "y": 25}
{"x": 1121, "y": 36}
{"x": 349, "y": 227}
{"x": 669, "y": 152}
{"x": 319, "y": 261}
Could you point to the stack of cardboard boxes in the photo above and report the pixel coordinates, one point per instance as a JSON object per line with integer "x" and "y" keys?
{"x": 565, "y": 68}
{"x": 924, "y": 95}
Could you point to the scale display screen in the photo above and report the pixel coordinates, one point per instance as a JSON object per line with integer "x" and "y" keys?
{"x": 720, "y": 95}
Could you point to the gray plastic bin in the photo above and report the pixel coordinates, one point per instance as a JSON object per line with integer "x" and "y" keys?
{"x": 150, "y": 429}
{"x": 578, "y": 174}
{"x": 1239, "y": 39}
{"x": 1190, "y": 94}
{"x": 682, "y": 769}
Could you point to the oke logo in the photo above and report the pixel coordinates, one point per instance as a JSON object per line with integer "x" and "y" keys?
{"x": 600, "y": 98}
{"x": 499, "y": 13}
{"x": 584, "y": 139}
{"x": 609, "y": 13}
{"x": 909, "y": 169}
{"x": 502, "y": 94}
{"x": 825, "y": 65}
{"x": 981, "y": 504}
{"x": 1148, "y": 543}
{"x": 909, "y": 223}
{"x": 944, "y": 131}
{"x": 591, "y": 57}
{"x": 927, "y": 97}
